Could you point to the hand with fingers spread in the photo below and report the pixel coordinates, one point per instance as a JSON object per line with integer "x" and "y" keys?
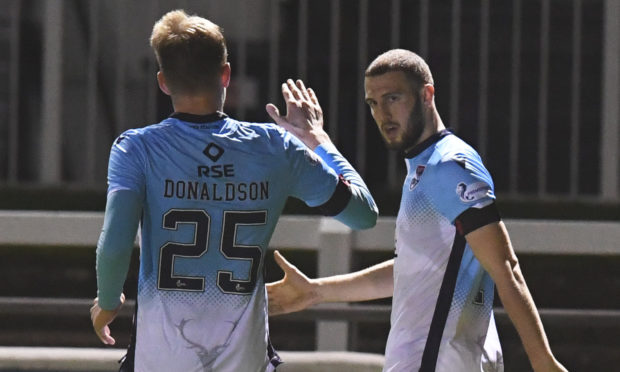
{"x": 102, "y": 318}
{"x": 294, "y": 292}
{"x": 304, "y": 116}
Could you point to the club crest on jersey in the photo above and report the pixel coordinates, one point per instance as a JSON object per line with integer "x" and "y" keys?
{"x": 416, "y": 176}
{"x": 472, "y": 192}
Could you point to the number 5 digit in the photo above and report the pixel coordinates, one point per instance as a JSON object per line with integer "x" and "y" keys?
{"x": 231, "y": 250}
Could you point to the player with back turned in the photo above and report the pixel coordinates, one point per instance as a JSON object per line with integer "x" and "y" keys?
{"x": 451, "y": 246}
{"x": 206, "y": 191}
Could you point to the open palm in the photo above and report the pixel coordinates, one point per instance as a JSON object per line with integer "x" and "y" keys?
{"x": 304, "y": 116}
{"x": 294, "y": 292}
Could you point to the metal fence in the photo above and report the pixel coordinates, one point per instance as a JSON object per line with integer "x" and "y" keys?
{"x": 534, "y": 85}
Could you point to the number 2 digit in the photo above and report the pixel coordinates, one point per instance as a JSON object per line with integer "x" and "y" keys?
{"x": 170, "y": 251}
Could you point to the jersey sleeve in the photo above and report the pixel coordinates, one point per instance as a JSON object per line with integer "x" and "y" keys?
{"x": 126, "y": 185}
{"x": 474, "y": 218}
{"x": 361, "y": 210}
{"x": 312, "y": 180}
{"x": 461, "y": 182}
{"x": 126, "y": 165}
{"x": 324, "y": 179}
{"x": 122, "y": 216}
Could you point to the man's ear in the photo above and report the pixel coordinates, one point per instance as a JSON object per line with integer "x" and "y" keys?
{"x": 428, "y": 92}
{"x": 225, "y": 75}
{"x": 161, "y": 80}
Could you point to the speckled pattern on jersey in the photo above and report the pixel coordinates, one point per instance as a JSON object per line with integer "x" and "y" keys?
{"x": 212, "y": 194}
{"x": 443, "y": 180}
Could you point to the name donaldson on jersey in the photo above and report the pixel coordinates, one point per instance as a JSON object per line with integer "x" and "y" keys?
{"x": 227, "y": 191}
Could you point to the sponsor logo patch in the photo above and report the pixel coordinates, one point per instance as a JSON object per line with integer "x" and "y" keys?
{"x": 213, "y": 152}
{"x": 416, "y": 177}
{"x": 472, "y": 192}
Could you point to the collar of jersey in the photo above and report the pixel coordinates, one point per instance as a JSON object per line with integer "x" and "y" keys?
{"x": 417, "y": 149}
{"x": 192, "y": 118}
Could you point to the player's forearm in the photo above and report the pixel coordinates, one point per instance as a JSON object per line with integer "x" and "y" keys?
{"x": 334, "y": 159}
{"x": 521, "y": 309}
{"x": 369, "y": 284}
{"x": 361, "y": 212}
{"x": 115, "y": 245}
{"x": 491, "y": 245}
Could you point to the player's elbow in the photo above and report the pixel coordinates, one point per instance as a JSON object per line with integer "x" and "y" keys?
{"x": 508, "y": 274}
{"x": 360, "y": 220}
{"x": 368, "y": 222}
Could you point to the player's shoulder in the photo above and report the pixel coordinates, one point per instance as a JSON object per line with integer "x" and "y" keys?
{"x": 453, "y": 152}
{"x": 452, "y": 148}
{"x": 261, "y": 133}
{"x": 457, "y": 176}
{"x": 145, "y": 131}
{"x": 128, "y": 138}
{"x": 454, "y": 157}
{"x": 137, "y": 137}
{"x": 266, "y": 129}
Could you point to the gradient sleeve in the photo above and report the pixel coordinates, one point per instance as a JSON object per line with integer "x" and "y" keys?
{"x": 115, "y": 245}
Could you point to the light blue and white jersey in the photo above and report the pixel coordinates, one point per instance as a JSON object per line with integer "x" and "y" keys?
{"x": 213, "y": 189}
{"x": 442, "y": 310}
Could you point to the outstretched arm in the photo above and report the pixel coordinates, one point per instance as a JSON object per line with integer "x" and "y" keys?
{"x": 296, "y": 291}
{"x": 491, "y": 245}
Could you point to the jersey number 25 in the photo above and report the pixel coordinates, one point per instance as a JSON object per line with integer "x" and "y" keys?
{"x": 228, "y": 246}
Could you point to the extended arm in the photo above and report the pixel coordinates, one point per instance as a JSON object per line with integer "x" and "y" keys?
{"x": 304, "y": 119}
{"x": 492, "y": 247}
{"x": 296, "y": 291}
{"x": 122, "y": 215}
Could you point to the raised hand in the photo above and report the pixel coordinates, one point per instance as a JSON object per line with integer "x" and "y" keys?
{"x": 304, "y": 116}
{"x": 294, "y": 292}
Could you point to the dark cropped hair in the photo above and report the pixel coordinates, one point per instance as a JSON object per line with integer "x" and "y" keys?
{"x": 414, "y": 67}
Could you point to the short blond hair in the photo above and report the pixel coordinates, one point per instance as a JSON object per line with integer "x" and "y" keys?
{"x": 190, "y": 51}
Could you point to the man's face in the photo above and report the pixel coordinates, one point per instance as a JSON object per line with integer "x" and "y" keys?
{"x": 396, "y": 108}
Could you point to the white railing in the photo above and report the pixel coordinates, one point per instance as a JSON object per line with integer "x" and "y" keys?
{"x": 323, "y": 234}
{"x": 334, "y": 243}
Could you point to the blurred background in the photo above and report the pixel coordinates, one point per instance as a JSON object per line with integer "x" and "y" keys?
{"x": 533, "y": 85}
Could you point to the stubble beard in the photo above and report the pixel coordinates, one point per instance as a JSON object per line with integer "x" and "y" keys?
{"x": 413, "y": 131}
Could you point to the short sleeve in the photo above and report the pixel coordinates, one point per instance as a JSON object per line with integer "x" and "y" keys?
{"x": 126, "y": 165}
{"x": 461, "y": 182}
{"x": 312, "y": 180}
